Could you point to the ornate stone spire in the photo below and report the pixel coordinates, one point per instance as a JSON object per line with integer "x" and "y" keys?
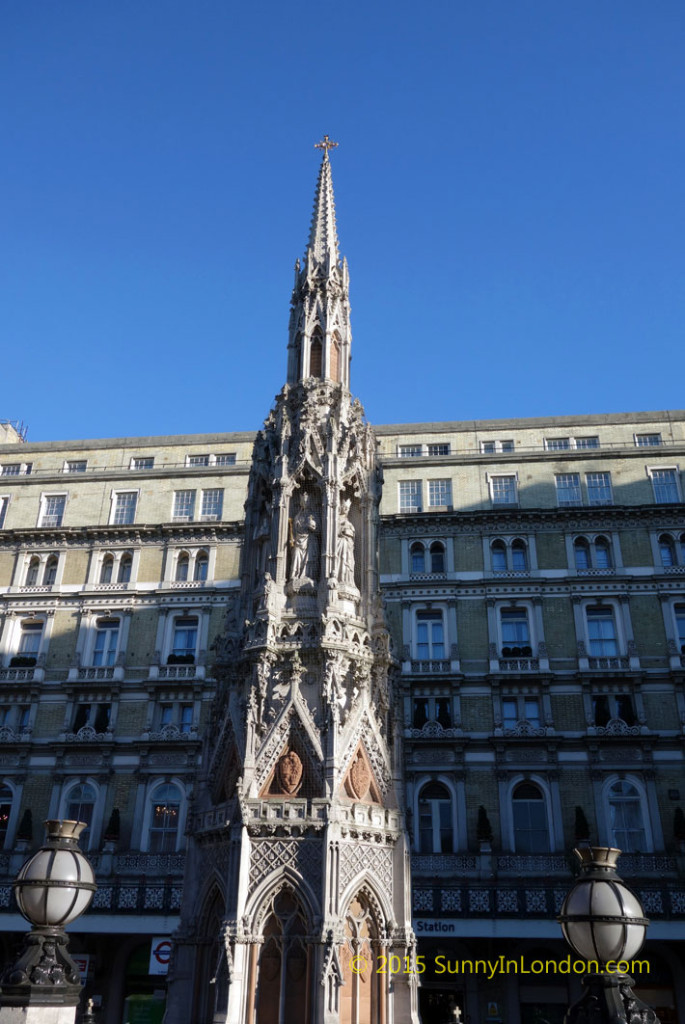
{"x": 319, "y": 334}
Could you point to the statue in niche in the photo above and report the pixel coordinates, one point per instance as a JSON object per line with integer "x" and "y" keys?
{"x": 345, "y": 546}
{"x": 305, "y": 543}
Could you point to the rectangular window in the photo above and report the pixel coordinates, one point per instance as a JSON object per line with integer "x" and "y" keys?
{"x": 106, "y": 640}
{"x": 16, "y": 469}
{"x": 587, "y": 442}
{"x": 212, "y": 503}
{"x": 665, "y": 484}
{"x": 680, "y": 625}
{"x": 438, "y": 449}
{"x": 601, "y": 633}
{"x": 53, "y": 509}
{"x": 75, "y": 466}
{"x": 225, "y": 459}
{"x": 439, "y": 493}
{"x": 515, "y": 632}
{"x": 31, "y": 635}
{"x": 147, "y": 462}
{"x": 23, "y": 720}
{"x": 510, "y": 712}
{"x": 409, "y": 451}
{"x": 430, "y": 636}
{"x": 185, "y": 638}
{"x": 503, "y": 490}
{"x": 599, "y": 488}
{"x": 568, "y": 489}
{"x": 647, "y": 440}
{"x": 557, "y": 444}
{"x": 186, "y": 718}
{"x": 410, "y": 496}
{"x": 124, "y": 512}
{"x": 4, "y": 503}
{"x": 491, "y": 447}
{"x": 184, "y": 504}
{"x": 198, "y": 460}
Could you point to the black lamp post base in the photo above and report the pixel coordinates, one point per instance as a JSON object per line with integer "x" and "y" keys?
{"x": 44, "y": 974}
{"x": 609, "y": 999}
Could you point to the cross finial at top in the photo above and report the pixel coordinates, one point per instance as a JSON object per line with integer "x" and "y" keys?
{"x": 325, "y": 144}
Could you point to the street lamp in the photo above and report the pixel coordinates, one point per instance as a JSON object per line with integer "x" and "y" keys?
{"x": 52, "y": 889}
{"x": 603, "y": 921}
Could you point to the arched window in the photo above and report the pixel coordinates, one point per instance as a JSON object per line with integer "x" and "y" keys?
{"x": 625, "y": 818}
{"x": 316, "y": 354}
{"x": 581, "y": 553}
{"x": 418, "y": 558}
{"x": 531, "y": 829}
{"x": 519, "y": 556}
{"x": 182, "y": 565}
{"x": 6, "y": 798}
{"x": 282, "y": 989}
{"x": 32, "y": 571}
{"x": 667, "y": 550}
{"x": 80, "y": 805}
{"x": 435, "y": 819}
{"x": 201, "y": 566}
{"x": 498, "y": 554}
{"x": 602, "y": 553}
{"x": 166, "y": 809}
{"x": 106, "y": 569}
{"x": 335, "y": 357}
{"x": 124, "y": 575}
{"x": 106, "y": 642}
{"x": 437, "y": 553}
{"x": 50, "y": 573}
{"x": 360, "y": 994}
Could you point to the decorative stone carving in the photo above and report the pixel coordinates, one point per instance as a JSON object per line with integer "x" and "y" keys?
{"x": 345, "y": 546}
{"x": 360, "y": 776}
{"x": 289, "y": 773}
{"x": 304, "y": 543}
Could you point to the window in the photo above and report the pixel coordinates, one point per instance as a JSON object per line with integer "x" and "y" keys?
{"x": 680, "y": 626}
{"x": 225, "y": 459}
{"x": 531, "y": 830}
{"x": 50, "y": 572}
{"x": 625, "y": 818}
{"x": 599, "y": 489}
{"x": 146, "y": 462}
{"x": 125, "y": 567}
{"x": 106, "y": 642}
{"x": 587, "y": 442}
{"x": 182, "y": 566}
{"x": 106, "y": 569}
{"x": 520, "y": 709}
{"x": 409, "y": 451}
{"x": 95, "y": 716}
{"x": 198, "y": 460}
{"x": 410, "y": 496}
{"x": 606, "y": 707}
{"x": 432, "y": 709}
{"x": 184, "y": 639}
{"x": 561, "y": 444}
{"x": 430, "y": 636}
{"x": 16, "y": 468}
{"x": 30, "y": 637}
{"x": 32, "y": 572}
{"x": 602, "y": 553}
{"x": 509, "y": 556}
{"x": 439, "y": 493}
{"x": 418, "y": 557}
{"x": 186, "y": 718}
{"x": 4, "y": 504}
{"x": 124, "y": 507}
{"x": 435, "y": 819}
{"x": 568, "y": 489}
{"x": 589, "y": 555}
{"x": 166, "y": 807}
{"x": 515, "y": 632}
{"x": 6, "y": 798}
{"x": 80, "y": 805}
{"x": 498, "y": 555}
{"x": 431, "y": 560}
{"x": 437, "y": 555}
{"x": 52, "y": 509}
{"x": 201, "y": 566}
{"x": 24, "y": 720}
{"x": 519, "y": 556}
{"x": 492, "y": 447}
{"x": 180, "y": 715}
{"x": 647, "y": 440}
{"x": 75, "y": 465}
{"x": 184, "y": 504}
{"x": 665, "y": 484}
{"x": 438, "y": 449}
{"x": 601, "y": 632}
{"x": 503, "y": 490}
{"x": 212, "y": 503}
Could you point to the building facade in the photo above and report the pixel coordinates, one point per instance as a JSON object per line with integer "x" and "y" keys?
{"x": 322, "y": 692}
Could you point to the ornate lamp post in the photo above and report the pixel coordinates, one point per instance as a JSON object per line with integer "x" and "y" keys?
{"x": 603, "y": 921}
{"x": 53, "y": 888}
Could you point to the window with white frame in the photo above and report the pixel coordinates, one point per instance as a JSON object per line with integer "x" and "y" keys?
{"x": 201, "y": 567}
{"x": 212, "y": 503}
{"x": 435, "y": 450}
{"x": 143, "y": 462}
{"x": 520, "y": 709}
{"x": 124, "y": 505}
{"x": 32, "y": 572}
{"x": 410, "y": 495}
{"x": 16, "y": 468}
{"x": 184, "y": 640}
{"x": 503, "y": 490}
{"x": 430, "y": 636}
{"x": 493, "y": 447}
{"x": 52, "y": 508}
{"x": 184, "y": 504}
{"x": 224, "y": 459}
{"x": 515, "y": 632}
{"x": 436, "y": 832}
{"x": 29, "y": 642}
{"x": 50, "y": 570}
{"x": 182, "y": 566}
{"x": 409, "y": 451}
{"x": 4, "y": 505}
{"x": 529, "y": 812}
{"x": 591, "y": 441}
{"x": 80, "y": 803}
{"x": 647, "y": 440}
{"x": 115, "y": 567}
{"x": 106, "y": 642}
{"x": 439, "y": 493}
{"x": 197, "y": 460}
{"x": 613, "y": 706}
{"x": 509, "y": 555}
{"x": 75, "y": 466}
{"x": 666, "y": 485}
{"x": 560, "y": 444}
{"x": 601, "y": 631}
{"x": 568, "y": 489}
{"x": 177, "y": 714}
{"x": 429, "y": 557}
{"x": 599, "y": 488}
{"x": 592, "y": 553}
{"x": 626, "y": 819}
{"x": 164, "y": 827}
{"x": 125, "y": 567}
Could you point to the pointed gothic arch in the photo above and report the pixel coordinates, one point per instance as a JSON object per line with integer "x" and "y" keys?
{"x": 363, "y": 996}
{"x": 211, "y": 973}
{"x": 281, "y": 963}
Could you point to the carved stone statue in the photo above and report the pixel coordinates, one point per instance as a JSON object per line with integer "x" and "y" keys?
{"x": 345, "y": 546}
{"x": 305, "y": 544}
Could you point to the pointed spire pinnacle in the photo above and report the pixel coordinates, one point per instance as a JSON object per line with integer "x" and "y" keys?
{"x": 323, "y": 235}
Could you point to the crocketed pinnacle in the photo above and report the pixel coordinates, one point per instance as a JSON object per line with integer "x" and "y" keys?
{"x": 323, "y": 235}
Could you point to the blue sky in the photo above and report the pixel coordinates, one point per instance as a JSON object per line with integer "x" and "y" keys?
{"x": 509, "y": 188}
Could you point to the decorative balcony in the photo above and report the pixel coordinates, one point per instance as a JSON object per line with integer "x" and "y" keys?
{"x": 519, "y": 664}
{"x": 608, "y": 663}
{"x": 32, "y": 674}
{"x": 436, "y": 667}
